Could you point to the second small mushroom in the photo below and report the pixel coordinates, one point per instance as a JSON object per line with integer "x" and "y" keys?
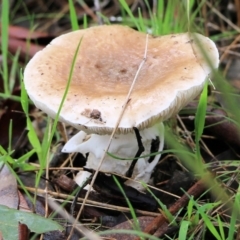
{"x": 174, "y": 73}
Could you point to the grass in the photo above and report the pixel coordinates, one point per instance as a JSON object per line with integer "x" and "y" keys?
{"x": 4, "y": 45}
{"x": 164, "y": 20}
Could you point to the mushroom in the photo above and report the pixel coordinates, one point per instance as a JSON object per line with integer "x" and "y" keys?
{"x": 174, "y": 73}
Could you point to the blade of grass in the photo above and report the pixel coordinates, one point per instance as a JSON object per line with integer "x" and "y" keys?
{"x": 234, "y": 217}
{"x": 129, "y": 12}
{"x": 6, "y": 156}
{"x": 10, "y": 128}
{"x": 63, "y": 98}
{"x": 167, "y": 213}
{"x": 152, "y": 18}
{"x": 190, "y": 208}
{"x": 104, "y": 18}
{"x": 184, "y": 226}
{"x": 136, "y": 225}
{"x": 6, "y": 159}
{"x": 221, "y": 228}
{"x": 13, "y": 72}
{"x": 200, "y": 120}
{"x": 85, "y": 21}
{"x": 73, "y": 16}
{"x": 25, "y": 157}
{"x": 32, "y": 136}
{"x": 206, "y": 218}
{"x": 4, "y": 45}
{"x": 141, "y": 21}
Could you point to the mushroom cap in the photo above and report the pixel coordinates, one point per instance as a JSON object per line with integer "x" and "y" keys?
{"x": 109, "y": 56}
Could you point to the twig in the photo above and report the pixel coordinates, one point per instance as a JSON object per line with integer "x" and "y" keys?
{"x": 195, "y": 191}
{"x": 89, "y": 234}
{"x": 98, "y": 12}
{"x": 230, "y": 23}
{"x": 60, "y": 197}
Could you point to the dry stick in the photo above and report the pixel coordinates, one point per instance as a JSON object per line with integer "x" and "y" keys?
{"x": 63, "y": 198}
{"x": 111, "y": 137}
{"x": 226, "y": 50}
{"x": 88, "y": 10}
{"x": 225, "y": 19}
{"x": 98, "y": 11}
{"x": 89, "y": 234}
{"x": 195, "y": 191}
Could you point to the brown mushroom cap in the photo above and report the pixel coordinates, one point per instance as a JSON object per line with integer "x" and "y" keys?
{"x": 109, "y": 56}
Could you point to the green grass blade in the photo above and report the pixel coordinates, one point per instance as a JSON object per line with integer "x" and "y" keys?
{"x": 129, "y": 12}
{"x": 234, "y": 217}
{"x": 207, "y": 219}
{"x": 220, "y": 225}
{"x": 14, "y": 70}
{"x": 10, "y": 128}
{"x": 24, "y": 97}
{"x": 32, "y": 136}
{"x": 5, "y": 156}
{"x": 104, "y": 18}
{"x": 63, "y": 98}
{"x": 12, "y": 97}
{"x": 73, "y": 16}
{"x": 190, "y": 208}
{"x": 136, "y": 223}
{"x": 200, "y": 118}
{"x": 141, "y": 21}
{"x": 24, "y": 157}
{"x": 152, "y": 17}
{"x": 85, "y": 21}
{"x": 159, "y": 17}
{"x": 183, "y": 230}
{"x": 4, "y": 45}
{"x": 167, "y": 213}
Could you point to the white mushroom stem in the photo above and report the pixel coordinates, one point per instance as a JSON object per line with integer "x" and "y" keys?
{"x": 124, "y": 146}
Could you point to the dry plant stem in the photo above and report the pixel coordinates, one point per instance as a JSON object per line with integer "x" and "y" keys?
{"x": 230, "y": 23}
{"x": 228, "y": 65}
{"x": 87, "y": 10}
{"x": 195, "y": 191}
{"x": 205, "y": 147}
{"x": 89, "y": 234}
{"x": 111, "y": 137}
{"x": 67, "y": 161}
{"x": 204, "y": 14}
{"x": 234, "y": 177}
{"x": 59, "y": 15}
{"x": 237, "y": 4}
{"x": 186, "y": 131}
{"x": 91, "y": 203}
{"x": 63, "y": 131}
{"x": 98, "y": 10}
{"x": 230, "y": 46}
{"x": 218, "y": 210}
